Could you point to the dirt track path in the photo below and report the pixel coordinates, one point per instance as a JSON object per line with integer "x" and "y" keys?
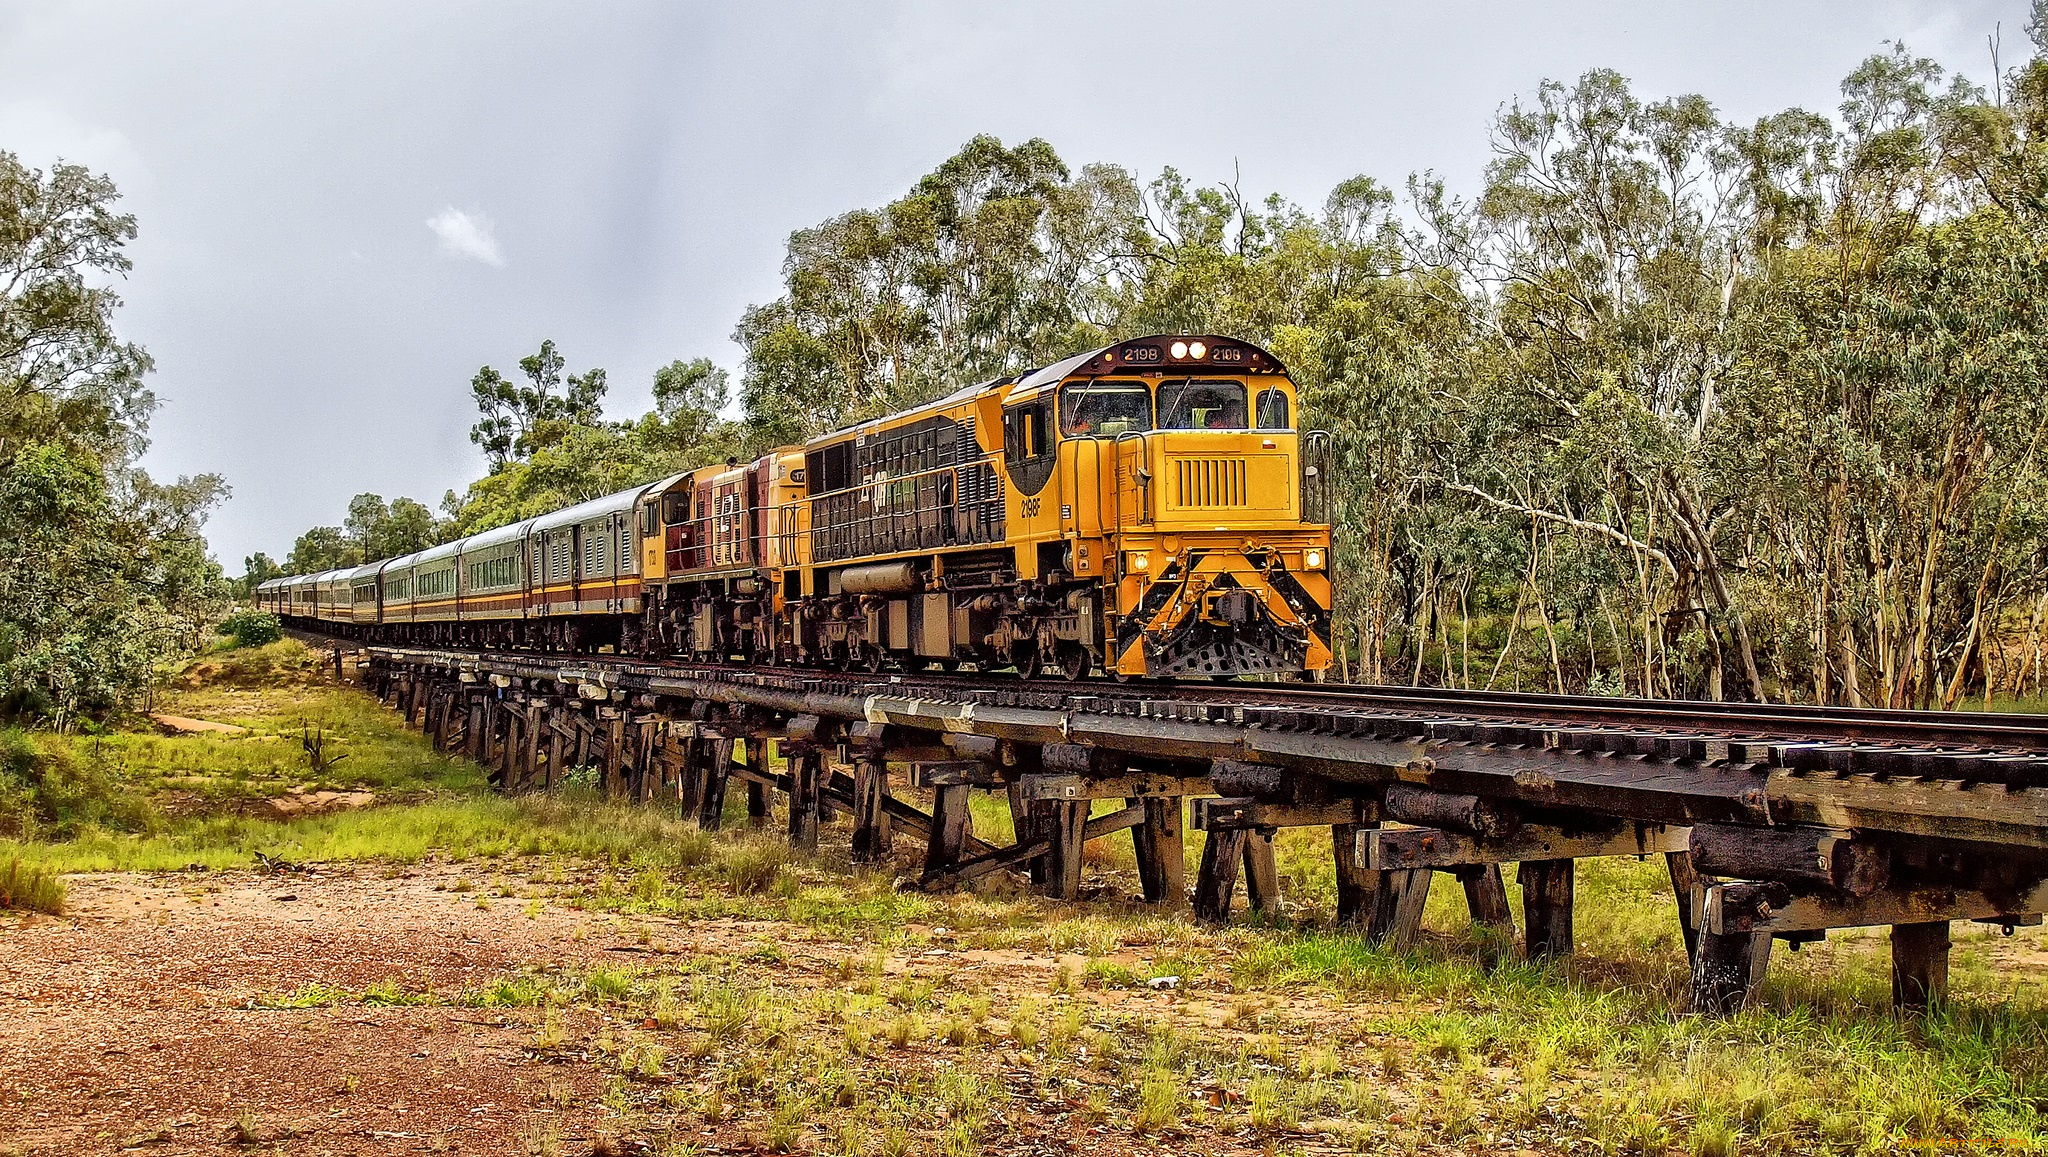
{"x": 129, "y": 1022}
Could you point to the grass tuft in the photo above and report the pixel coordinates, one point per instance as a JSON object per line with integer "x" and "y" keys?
{"x": 752, "y": 865}
{"x": 29, "y": 888}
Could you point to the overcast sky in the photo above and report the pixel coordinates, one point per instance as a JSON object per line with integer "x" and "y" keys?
{"x": 345, "y": 209}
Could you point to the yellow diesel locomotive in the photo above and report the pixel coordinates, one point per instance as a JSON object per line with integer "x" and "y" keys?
{"x": 1136, "y": 510}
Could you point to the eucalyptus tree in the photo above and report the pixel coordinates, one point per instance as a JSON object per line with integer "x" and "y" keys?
{"x": 515, "y": 420}
{"x": 998, "y": 260}
{"x": 103, "y": 572}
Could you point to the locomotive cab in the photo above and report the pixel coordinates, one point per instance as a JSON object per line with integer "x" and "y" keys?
{"x": 1158, "y": 494}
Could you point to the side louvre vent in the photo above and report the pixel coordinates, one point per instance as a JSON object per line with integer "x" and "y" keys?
{"x": 1205, "y": 483}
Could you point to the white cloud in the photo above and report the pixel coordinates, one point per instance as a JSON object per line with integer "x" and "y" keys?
{"x": 466, "y": 235}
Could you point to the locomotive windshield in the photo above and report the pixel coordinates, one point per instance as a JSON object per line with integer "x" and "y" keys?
{"x": 1201, "y": 405}
{"x": 1105, "y": 408}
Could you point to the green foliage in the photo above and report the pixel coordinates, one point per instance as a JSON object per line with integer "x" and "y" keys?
{"x": 103, "y": 572}
{"x": 51, "y": 790}
{"x": 519, "y": 419}
{"x": 251, "y": 628}
{"x": 998, "y": 260}
{"x": 370, "y": 531}
{"x": 381, "y": 531}
{"x": 322, "y": 548}
{"x": 551, "y": 451}
{"x": 584, "y": 462}
{"x": 257, "y": 569}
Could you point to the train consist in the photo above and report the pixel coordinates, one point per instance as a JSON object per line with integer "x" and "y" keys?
{"x": 1145, "y": 510}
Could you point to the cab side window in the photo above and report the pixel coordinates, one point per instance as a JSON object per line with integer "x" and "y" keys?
{"x": 1026, "y": 433}
{"x": 1273, "y": 411}
{"x": 1028, "y": 448}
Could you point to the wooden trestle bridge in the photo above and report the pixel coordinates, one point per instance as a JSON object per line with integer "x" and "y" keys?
{"x": 1776, "y": 822}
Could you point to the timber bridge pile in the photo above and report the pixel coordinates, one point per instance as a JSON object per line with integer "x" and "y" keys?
{"x": 1776, "y": 822}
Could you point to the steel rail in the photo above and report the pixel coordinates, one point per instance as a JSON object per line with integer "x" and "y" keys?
{"x": 1987, "y": 732}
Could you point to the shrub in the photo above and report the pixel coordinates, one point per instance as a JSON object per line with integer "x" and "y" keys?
{"x": 285, "y": 663}
{"x": 249, "y": 627}
{"x": 31, "y": 889}
{"x": 48, "y": 791}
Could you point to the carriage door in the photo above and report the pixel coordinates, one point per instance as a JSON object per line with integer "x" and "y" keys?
{"x": 530, "y": 546}
{"x": 756, "y": 489}
{"x": 576, "y": 567}
{"x": 620, "y": 554}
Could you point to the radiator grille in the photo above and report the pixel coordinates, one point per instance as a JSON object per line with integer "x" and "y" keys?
{"x": 1209, "y": 482}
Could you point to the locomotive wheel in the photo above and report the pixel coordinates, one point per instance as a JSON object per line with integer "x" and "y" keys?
{"x": 1074, "y": 661}
{"x": 1029, "y": 663}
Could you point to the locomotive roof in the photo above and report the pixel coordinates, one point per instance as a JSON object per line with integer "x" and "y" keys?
{"x": 1096, "y": 360}
{"x": 1117, "y": 359}
{"x": 964, "y": 393}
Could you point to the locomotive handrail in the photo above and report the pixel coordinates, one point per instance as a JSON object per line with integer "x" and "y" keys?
{"x": 822, "y": 529}
{"x": 1141, "y": 476}
{"x": 1316, "y": 459}
{"x": 1074, "y": 488}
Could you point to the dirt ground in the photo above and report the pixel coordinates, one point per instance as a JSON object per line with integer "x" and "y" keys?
{"x": 148, "y": 1019}
{"x": 132, "y": 1023}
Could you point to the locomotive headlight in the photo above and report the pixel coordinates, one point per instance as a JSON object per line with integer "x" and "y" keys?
{"x": 1314, "y": 559}
{"x": 1141, "y": 562}
{"x": 1179, "y": 349}
{"x": 1197, "y": 350}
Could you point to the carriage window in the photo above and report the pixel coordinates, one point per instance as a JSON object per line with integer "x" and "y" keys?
{"x": 1199, "y": 405}
{"x": 1273, "y": 411}
{"x": 1105, "y": 409}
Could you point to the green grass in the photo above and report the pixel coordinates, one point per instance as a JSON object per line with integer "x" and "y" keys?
{"x": 481, "y": 826}
{"x": 367, "y": 749}
{"x": 1511, "y": 1059}
{"x": 30, "y": 888}
{"x": 140, "y": 800}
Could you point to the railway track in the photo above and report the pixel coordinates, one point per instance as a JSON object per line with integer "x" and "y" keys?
{"x": 1952, "y": 731}
{"x": 1984, "y": 731}
{"x": 1778, "y": 821}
